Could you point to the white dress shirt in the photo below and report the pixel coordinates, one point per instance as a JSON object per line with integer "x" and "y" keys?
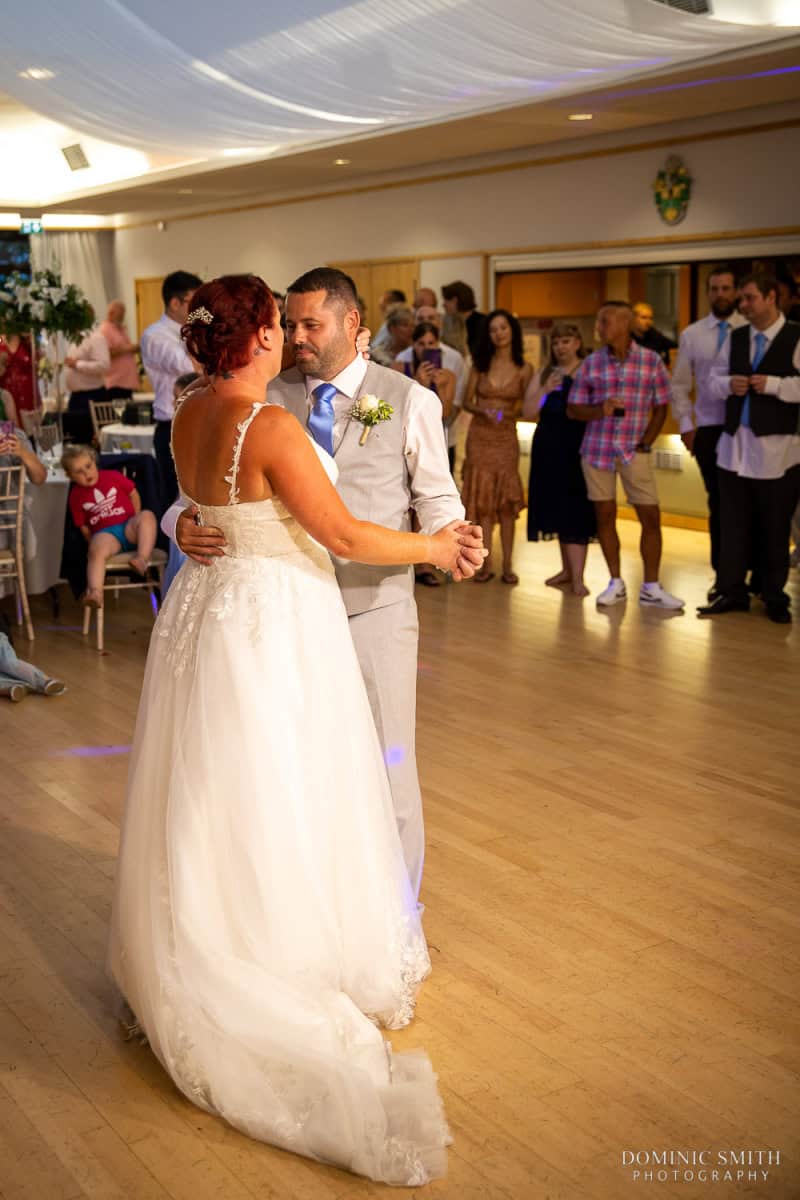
{"x": 451, "y": 361}
{"x": 435, "y": 495}
{"x": 697, "y": 351}
{"x": 745, "y": 454}
{"x": 93, "y": 360}
{"x": 165, "y": 359}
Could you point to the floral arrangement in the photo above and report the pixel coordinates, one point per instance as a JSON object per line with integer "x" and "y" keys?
{"x": 672, "y": 189}
{"x": 41, "y": 303}
{"x": 369, "y": 410}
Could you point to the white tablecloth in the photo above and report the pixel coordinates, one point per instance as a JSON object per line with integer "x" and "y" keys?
{"x": 43, "y": 533}
{"x": 137, "y": 439}
{"x": 46, "y": 508}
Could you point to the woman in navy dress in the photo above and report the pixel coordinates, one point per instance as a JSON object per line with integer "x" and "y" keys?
{"x": 557, "y": 502}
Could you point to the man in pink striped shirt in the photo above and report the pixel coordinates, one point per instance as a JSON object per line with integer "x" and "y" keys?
{"x": 122, "y": 378}
{"x": 622, "y": 392}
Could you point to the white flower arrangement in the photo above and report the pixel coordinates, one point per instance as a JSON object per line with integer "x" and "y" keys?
{"x": 370, "y": 410}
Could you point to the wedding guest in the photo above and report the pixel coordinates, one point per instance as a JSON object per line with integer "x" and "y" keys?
{"x": 557, "y": 500}
{"x": 701, "y": 423}
{"x": 424, "y": 297}
{"x": 425, "y": 367}
{"x": 392, "y": 298}
{"x": 400, "y": 329}
{"x": 492, "y": 489}
{"x": 107, "y": 509}
{"x": 16, "y": 448}
{"x": 451, "y": 361}
{"x": 18, "y": 678}
{"x": 17, "y": 374}
{"x": 788, "y": 294}
{"x": 164, "y": 358}
{"x": 87, "y": 366}
{"x": 454, "y": 333}
{"x": 622, "y": 390}
{"x": 122, "y": 378}
{"x": 645, "y": 333}
{"x": 757, "y": 371}
{"x": 459, "y": 299}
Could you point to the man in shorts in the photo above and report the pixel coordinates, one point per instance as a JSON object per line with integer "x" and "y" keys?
{"x": 622, "y": 392}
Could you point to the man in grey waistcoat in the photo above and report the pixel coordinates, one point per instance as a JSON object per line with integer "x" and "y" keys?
{"x": 385, "y": 469}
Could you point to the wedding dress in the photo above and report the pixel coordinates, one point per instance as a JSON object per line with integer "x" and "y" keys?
{"x": 263, "y": 923}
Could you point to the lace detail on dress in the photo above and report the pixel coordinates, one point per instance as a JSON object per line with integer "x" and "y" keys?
{"x": 241, "y": 430}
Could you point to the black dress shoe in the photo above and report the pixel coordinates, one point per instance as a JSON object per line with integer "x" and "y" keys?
{"x": 723, "y": 604}
{"x": 713, "y": 594}
{"x": 781, "y": 616}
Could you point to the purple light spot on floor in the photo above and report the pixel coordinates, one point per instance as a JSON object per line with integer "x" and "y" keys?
{"x": 394, "y": 756}
{"x": 90, "y": 751}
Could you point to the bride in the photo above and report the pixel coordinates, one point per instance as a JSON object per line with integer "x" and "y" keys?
{"x": 263, "y": 923}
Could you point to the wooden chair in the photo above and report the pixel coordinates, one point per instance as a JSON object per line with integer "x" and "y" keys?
{"x": 12, "y": 560}
{"x": 102, "y": 412}
{"x": 120, "y": 564}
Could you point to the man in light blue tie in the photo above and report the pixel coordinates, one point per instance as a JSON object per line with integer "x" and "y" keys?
{"x": 701, "y": 421}
{"x": 384, "y": 471}
{"x": 759, "y": 452}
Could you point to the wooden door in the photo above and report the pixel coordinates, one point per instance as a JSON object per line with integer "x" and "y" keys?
{"x": 149, "y": 307}
{"x": 374, "y": 278}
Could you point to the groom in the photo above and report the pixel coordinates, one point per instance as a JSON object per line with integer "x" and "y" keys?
{"x": 401, "y": 463}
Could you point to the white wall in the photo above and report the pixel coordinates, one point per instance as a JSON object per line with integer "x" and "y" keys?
{"x": 742, "y": 182}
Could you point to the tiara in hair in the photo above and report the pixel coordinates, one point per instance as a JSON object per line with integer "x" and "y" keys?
{"x": 200, "y": 314}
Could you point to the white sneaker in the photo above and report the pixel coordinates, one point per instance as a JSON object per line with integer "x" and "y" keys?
{"x": 614, "y": 594}
{"x": 653, "y": 595}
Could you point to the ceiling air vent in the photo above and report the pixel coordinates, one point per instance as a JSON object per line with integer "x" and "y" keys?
{"x": 697, "y": 8}
{"x": 75, "y": 157}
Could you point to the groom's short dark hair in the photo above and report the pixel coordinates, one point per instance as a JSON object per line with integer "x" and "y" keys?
{"x": 339, "y": 287}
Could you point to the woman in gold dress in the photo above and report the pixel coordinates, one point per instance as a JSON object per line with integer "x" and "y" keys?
{"x": 492, "y": 490}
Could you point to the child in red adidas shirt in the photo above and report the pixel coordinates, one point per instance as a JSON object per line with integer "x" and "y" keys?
{"x": 107, "y": 509}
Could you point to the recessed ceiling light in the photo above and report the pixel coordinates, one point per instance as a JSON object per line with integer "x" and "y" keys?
{"x": 341, "y": 162}
{"x": 37, "y": 73}
{"x": 581, "y": 117}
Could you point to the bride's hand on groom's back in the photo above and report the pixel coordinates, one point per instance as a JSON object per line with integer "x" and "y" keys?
{"x": 202, "y": 543}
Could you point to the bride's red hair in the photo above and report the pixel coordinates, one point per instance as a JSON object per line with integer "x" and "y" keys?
{"x": 239, "y": 305}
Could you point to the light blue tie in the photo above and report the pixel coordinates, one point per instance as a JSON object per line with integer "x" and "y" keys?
{"x": 722, "y": 333}
{"x": 758, "y": 354}
{"x": 320, "y": 419}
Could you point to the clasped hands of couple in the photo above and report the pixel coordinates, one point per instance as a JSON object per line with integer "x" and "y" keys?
{"x": 457, "y": 547}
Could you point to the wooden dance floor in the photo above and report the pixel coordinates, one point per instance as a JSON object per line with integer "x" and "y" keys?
{"x": 613, "y": 807}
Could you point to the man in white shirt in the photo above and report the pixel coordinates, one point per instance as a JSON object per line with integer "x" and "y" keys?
{"x": 384, "y": 471}
{"x": 164, "y": 358}
{"x": 701, "y": 425}
{"x": 758, "y": 456}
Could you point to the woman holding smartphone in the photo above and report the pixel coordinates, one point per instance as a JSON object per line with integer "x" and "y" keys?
{"x": 426, "y": 367}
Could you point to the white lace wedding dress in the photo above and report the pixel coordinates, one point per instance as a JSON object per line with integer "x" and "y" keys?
{"x": 263, "y": 923}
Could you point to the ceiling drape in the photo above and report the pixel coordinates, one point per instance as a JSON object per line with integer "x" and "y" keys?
{"x": 186, "y": 76}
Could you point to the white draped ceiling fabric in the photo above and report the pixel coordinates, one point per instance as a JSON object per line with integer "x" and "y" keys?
{"x": 184, "y": 77}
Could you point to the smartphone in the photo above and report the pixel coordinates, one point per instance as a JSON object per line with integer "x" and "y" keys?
{"x": 434, "y": 357}
{"x": 6, "y": 429}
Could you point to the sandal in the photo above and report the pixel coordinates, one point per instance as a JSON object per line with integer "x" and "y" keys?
{"x": 510, "y": 578}
{"x": 428, "y": 579}
{"x": 483, "y": 577}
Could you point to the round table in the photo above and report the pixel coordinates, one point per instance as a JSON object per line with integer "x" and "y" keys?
{"x": 135, "y": 439}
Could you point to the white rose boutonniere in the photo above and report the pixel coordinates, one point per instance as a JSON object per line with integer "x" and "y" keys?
{"x": 369, "y": 410}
